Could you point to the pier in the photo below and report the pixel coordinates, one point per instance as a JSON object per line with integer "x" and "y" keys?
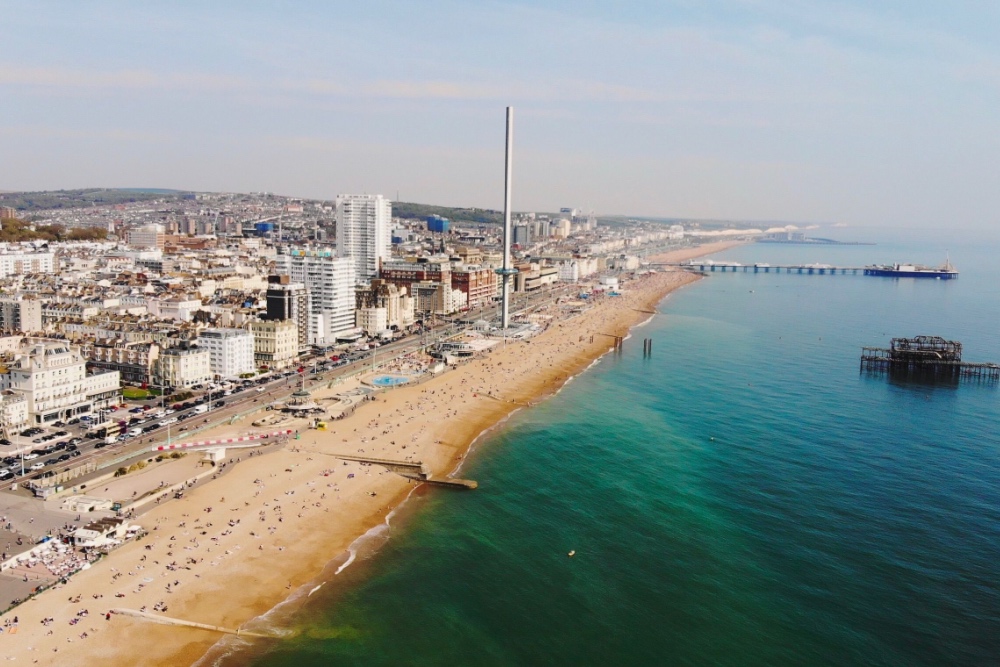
{"x": 736, "y": 267}
{"x": 414, "y": 470}
{"x": 926, "y": 356}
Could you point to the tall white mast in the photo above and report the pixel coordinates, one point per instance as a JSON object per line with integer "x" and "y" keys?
{"x": 507, "y": 271}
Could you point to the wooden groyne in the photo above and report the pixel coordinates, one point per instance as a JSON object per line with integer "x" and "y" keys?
{"x": 414, "y": 470}
{"x": 166, "y": 620}
{"x": 619, "y": 340}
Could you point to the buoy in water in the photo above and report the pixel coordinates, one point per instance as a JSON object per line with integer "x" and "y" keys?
{"x": 572, "y": 553}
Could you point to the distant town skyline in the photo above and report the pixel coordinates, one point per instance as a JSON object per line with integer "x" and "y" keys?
{"x": 795, "y": 111}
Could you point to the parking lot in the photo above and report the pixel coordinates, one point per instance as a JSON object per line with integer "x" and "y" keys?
{"x": 39, "y": 452}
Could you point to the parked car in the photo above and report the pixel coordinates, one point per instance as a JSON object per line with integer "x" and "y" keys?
{"x": 59, "y": 424}
{"x": 31, "y": 457}
{"x": 100, "y": 445}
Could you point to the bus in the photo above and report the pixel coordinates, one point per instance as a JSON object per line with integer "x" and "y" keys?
{"x": 110, "y": 429}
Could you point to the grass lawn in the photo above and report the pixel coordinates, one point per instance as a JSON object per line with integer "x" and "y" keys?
{"x": 134, "y": 394}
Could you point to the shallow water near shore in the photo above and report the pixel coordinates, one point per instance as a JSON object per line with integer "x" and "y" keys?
{"x": 743, "y": 497}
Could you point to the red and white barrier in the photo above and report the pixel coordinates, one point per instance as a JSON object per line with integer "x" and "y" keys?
{"x": 224, "y": 441}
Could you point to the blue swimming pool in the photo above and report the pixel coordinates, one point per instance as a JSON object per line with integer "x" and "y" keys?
{"x": 389, "y": 380}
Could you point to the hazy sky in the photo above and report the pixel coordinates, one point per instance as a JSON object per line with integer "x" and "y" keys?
{"x": 753, "y": 109}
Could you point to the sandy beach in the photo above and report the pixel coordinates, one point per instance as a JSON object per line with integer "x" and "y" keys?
{"x": 236, "y": 547}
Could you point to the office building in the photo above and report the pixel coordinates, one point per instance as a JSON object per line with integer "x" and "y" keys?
{"x": 147, "y": 236}
{"x": 522, "y": 235}
{"x": 437, "y": 224}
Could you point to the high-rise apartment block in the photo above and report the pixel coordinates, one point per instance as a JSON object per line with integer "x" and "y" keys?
{"x": 363, "y": 232}
{"x": 289, "y": 301}
{"x": 230, "y": 351}
{"x": 330, "y": 282}
{"x": 19, "y": 315}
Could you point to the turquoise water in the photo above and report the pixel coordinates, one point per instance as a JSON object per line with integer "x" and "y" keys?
{"x": 389, "y": 380}
{"x": 744, "y": 497}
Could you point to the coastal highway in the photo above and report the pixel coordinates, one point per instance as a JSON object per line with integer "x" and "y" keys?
{"x": 275, "y": 389}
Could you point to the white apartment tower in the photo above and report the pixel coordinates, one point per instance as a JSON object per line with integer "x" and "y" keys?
{"x": 230, "y": 351}
{"x": 329, "y": 281}
{"x": 363, "y": 233}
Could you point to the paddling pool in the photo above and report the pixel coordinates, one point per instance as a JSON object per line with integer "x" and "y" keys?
{"x": 389, "y": 380}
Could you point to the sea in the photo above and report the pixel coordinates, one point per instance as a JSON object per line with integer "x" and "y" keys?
{"x": 745, "y": 495}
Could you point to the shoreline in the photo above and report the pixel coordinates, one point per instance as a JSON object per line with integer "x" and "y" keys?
{"x": 440, "y": 422}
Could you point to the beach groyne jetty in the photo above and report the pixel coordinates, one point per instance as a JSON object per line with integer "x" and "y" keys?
{"x": 180, "y": 622}
{"x": 414, "y": 470}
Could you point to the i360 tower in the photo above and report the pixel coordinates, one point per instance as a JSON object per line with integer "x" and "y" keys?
{"x": 506, "y": 270}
